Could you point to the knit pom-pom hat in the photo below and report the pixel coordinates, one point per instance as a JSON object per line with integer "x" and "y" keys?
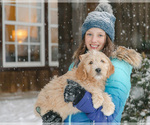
{"x": 102, "y": 18}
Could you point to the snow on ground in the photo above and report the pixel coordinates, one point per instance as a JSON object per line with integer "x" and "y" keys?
{"x": 18, "y": 109}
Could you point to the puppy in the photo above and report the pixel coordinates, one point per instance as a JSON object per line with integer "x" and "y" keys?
{"x": 93, "y": 70}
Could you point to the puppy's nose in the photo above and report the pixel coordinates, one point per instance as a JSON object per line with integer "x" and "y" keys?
{"x": 98, "y": 70}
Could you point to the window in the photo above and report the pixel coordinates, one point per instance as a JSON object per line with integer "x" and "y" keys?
{"x": 23, "y": 34}
{"x": 53, "y": 33}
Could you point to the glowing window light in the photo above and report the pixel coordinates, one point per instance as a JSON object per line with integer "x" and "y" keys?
{"x": 20, "y": 34}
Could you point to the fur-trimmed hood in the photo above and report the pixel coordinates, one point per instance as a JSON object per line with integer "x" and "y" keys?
{"x": 129, "y": 55}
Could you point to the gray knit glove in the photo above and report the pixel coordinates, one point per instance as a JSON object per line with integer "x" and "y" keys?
{"x": 73, "y": 92}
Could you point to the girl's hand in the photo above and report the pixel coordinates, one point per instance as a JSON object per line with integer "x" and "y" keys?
{"x": 51, "y": 117}
{"x": 73, "y": 92}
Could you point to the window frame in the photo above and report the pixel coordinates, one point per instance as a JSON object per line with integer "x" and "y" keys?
{"x": 50, "y": 44}
{"x": 18, "y": 23}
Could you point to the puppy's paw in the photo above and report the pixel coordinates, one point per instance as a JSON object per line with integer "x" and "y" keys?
{"x": 97, "y": 101}
{"x": 108, "y": 109}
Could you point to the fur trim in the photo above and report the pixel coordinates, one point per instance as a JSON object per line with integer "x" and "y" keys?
{"x": 129, "y": 55}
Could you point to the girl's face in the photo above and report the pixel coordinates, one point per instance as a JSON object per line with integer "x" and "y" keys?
{"x": 95, "y": 38}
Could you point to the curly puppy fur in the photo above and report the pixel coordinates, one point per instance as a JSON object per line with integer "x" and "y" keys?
{"x": 51, "y": 96}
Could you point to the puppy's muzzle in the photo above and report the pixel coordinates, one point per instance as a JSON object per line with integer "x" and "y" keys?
{"x": 98, "y": 70}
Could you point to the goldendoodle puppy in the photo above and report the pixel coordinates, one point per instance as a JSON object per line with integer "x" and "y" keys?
{"x": 93, "y": 70}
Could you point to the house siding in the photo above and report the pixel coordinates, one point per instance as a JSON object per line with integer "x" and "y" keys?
{"x": 132, "y": 30}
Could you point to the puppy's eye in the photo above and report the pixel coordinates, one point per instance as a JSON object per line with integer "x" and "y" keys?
{"x": 102, "y": 61}
{"x": 91, "y": 62}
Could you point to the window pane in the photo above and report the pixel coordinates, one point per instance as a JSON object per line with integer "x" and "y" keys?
{"x": 10, "y": 12}
{"x": 23, "y": 14}
{"x": 10, "y": 53}
{"x": 9, "y": 37}
{"x": 22, "y": 53}
{"x": 10, "y": 1}
{"x": 54, "y": 4}
{"x": 54, "y": 17}
{"x": 35, "y": 15}
{"x": 36, "y": 4}
{"x": 35, "y": 53}
{"x": 35, "y": 34}
{"x": 23, "y": 3}
{"x": 54, "y": 53}
{"x": 54, "y": 35}
{"x": 21, "y": 34}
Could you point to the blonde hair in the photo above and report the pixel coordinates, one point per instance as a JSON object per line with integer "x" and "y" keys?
{"x": 108, "y": 49}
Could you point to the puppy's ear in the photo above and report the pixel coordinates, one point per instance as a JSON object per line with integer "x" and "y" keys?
{"x": 81, "y": 57}
{"x": 111, "y": 69}
{"x": 81, "y": 73}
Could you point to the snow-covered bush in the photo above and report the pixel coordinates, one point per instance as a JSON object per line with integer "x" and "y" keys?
{"x": 137, "y": 107}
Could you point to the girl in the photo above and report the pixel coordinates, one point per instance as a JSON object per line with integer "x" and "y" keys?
{"x": 98, "y": 33}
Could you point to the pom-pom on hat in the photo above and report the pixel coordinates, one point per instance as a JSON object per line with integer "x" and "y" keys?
{"x": 102, "y": 18}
